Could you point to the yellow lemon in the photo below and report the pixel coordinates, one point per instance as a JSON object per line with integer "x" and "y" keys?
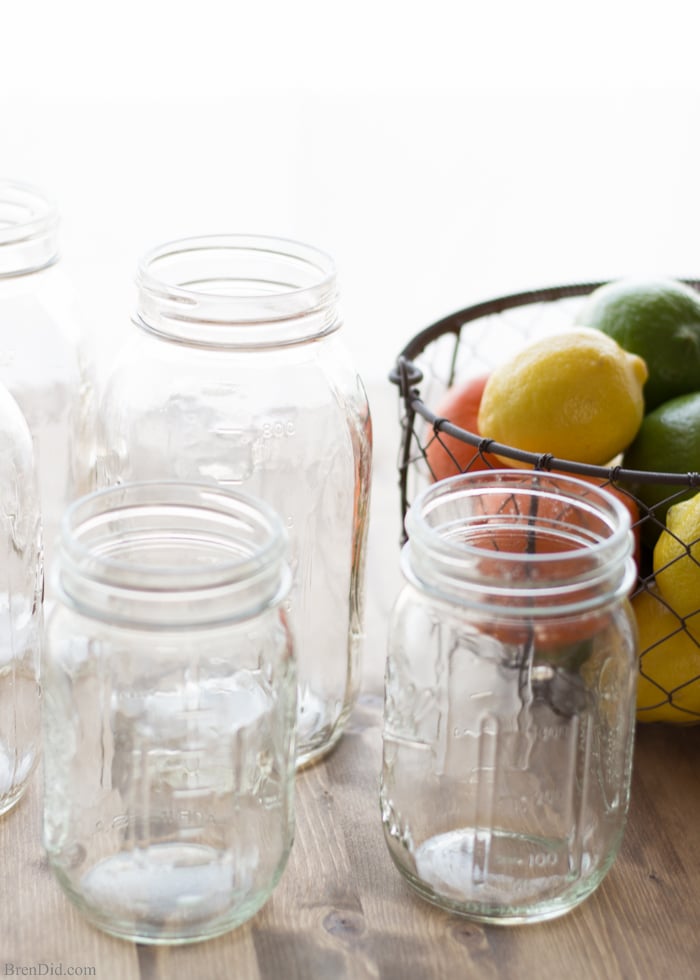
{"x": 668, "y": 687}
{"x": 576, "y": 395}
{"x": 677, "y": 560}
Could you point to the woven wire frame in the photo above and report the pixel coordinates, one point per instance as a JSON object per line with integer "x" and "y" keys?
{"x": 473, "y": 341}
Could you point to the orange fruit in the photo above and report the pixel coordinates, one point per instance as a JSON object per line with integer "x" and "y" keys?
{"x": 625, "y": 498}
{"x": 445, "y": 454}
{"x": 509, "y": 517}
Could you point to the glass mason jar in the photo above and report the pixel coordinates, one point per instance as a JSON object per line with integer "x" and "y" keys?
{"x": 21, "y": 618}
{"x": 169, "y": 712}
{"x": 39, "y": 343}
{"x": 236, "y": 373}
{"x": 510, "y": 694}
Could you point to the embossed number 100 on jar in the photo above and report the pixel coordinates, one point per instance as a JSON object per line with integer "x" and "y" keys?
{"x": 510, "y": 694}
{"x": 236, "y": 373}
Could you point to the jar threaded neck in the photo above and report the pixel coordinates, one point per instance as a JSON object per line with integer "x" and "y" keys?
{"x": 517, "y": 541}
{"x": 171, "y": 554}
{"x": 28, "y": 229}
{"x": 238, "y": 291}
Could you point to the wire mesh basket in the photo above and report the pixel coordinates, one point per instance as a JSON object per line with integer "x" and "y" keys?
{"x": 470, "y": 343}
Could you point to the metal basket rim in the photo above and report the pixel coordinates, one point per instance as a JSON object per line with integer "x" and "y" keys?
{"x": 407, "y": 375}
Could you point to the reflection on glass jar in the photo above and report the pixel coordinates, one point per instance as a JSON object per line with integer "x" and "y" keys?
{"x": 40, "y": 350}
{"x": 236, "y": 374}
{"x": 510, "y": 695}
{"x": 170, "y": 704}
{"x": 21, "y": 587}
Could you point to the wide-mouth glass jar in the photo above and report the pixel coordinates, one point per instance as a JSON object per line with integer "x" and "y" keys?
{"x": 510, "y": 694}
{"x": 235, "y": 372}
{"x": 170, "y": 703}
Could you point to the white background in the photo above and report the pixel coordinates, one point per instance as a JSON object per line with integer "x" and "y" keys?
{"x": 441, "y": 152}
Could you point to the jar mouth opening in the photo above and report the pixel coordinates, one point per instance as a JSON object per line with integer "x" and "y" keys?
{"x": 28, "y": 225}
{"x": 214, "y": 264}
{"x": 24, "y": 211}
{"x": 170, "y": 537}
{"x": 238, "y": 281}
{"x": 487, "y": 537}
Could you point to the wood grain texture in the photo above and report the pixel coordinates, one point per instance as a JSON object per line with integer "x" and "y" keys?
{"x": 342, "y": 910}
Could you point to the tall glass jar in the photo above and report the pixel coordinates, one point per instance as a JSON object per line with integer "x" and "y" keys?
{"x": 40, "y": 343}
{"x": 510, "y": 694}
{"x": 236, "y": 373}
{"x": 21, "y": 588}
{"x": 170, "y": 701}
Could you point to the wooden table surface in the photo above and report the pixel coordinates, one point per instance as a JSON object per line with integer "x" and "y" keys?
{"x": 342, "y": 910}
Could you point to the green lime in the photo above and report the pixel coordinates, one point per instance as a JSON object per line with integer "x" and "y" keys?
{"x": 659, "y": 320}
{"x": 668, "y": 441}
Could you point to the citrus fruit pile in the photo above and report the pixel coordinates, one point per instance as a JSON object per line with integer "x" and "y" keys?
{"x": 660, "y": 321}
{"x": 621, "y": 386}
{"x": 668, "y": 621}
{"x": 576, "y": 395}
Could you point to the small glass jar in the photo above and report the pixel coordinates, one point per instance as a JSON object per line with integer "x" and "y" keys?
{"x": 40, "y": 360}
{"x": 236, "y": 374}
{"x": 170, "y": 700}
{"x": 510, "y": 694}
{"x": 21, "y": 616}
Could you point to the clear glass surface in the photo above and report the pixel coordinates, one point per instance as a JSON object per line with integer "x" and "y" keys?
{"x": 21, "y": 587}
{"x": 236, "y": 373}
{"x": 510, "y": 696}
{"x": 170, "y": 701}
{"x": 40, "y": 351}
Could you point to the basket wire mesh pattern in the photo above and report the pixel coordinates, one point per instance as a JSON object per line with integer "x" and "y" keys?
{"x": 471, "y": 342}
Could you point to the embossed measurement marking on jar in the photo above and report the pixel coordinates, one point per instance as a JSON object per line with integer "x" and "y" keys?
{"x": 543, "y": 859}
{"x": 192, "y": 819}
{"x": 535, "y": 859}
{"x": 232, "y": 432}
{"x": 268, "y": 429}
{"x": 544, "y": 733}
{"x": 278, "y": 429}
{"x": 549, "y": 732}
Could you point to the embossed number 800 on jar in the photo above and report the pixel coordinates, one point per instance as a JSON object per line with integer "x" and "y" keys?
{"x": 236, "y": 373}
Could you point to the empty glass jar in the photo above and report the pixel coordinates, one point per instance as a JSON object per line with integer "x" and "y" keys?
{"x": 21, "y": 588}
{"x": 170, "y": 704}
{"x": 236, "y": 373}
{"x": 40, "y": 344}
{"x": 510, "y": 694}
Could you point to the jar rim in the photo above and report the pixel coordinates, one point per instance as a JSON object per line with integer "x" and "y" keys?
{"x": 28, "y": 223}
{"x": 270, "y": 244}
{"x": 238, "y": 545}
{"x": 441, "y": 558}
{"x": 237, "y": 290}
